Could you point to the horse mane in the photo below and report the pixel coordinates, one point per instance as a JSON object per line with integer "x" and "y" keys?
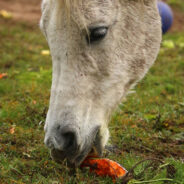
{"x": 68, "y": 5}
{"x": 73, "y": 5}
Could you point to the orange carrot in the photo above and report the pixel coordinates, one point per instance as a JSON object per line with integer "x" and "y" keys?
{"x": 104, "y": 167}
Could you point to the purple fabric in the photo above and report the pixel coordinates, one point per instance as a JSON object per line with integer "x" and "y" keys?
{"x": 166, "y": 16}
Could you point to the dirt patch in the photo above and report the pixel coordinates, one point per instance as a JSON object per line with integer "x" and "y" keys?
{"x": 23, "y": 10}
{"x": 178, "y": 24}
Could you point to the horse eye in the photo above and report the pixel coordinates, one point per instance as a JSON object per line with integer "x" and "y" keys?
{"x": 96, "y": 34}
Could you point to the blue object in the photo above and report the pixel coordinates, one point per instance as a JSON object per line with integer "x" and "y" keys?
{"x": 166, "y": 16}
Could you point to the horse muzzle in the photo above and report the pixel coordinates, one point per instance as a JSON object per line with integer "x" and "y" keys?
{"x": 68, "y": 142}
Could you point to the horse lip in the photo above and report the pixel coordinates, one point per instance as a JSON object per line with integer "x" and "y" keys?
{"x": 95, "y": 145}
{"x": 83, "y": 156}
{"x": 72, "y": 160}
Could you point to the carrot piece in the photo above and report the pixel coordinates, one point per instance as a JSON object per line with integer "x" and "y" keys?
{"x": 104, "y": 167}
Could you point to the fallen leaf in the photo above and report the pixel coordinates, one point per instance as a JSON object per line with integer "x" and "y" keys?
{"x": 3, "y": 75}
{"x": 12, "y": 130}
{"x": 181, "y": 103}
{"x": 168, "y": 44}
{"x": 45, "y": 52}
{"x": 26, "y": 154}
{"x": 5, "y": 14}
{"x": 40, "y": 123}
{"x": 134, "y": 126}
{"x": 181, "y": 45}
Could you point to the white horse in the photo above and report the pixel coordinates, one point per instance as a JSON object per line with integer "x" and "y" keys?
{"x": 100, "y": 50}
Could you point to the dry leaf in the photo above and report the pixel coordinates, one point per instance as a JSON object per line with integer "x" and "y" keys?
{"x": 45, "y": 52}
{"x": 3, "y": 75}
{"x": 134, "y": 126}
{"x": 168, "y": 44}
{"x": 26, "y": 154}
{"x": 12, "y": 130}
{"x": 5, "y": 14}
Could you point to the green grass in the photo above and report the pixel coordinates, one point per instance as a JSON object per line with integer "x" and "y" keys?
{"x": 176, "y": 3}
{"x": 150, "y": 123}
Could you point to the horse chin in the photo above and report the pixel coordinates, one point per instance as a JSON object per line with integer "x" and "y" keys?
{"x": 59, "y": 156}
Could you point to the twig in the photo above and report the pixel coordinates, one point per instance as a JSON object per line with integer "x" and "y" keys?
{"x": 131, "y": 170}
{"x": 130, "y": 174}
{"x": 16, "y": 181}
{"x": 150, "y": 181}
{"x": 16, "y": 170}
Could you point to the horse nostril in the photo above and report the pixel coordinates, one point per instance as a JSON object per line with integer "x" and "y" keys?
{"x": 63, "y": 139}
{"x": 49, "y": 143}
{"x": 69, "y": 140}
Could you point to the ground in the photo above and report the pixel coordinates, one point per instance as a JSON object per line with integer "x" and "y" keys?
{"x": 23, "y": 10}
{"x": 150, "y": 123}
